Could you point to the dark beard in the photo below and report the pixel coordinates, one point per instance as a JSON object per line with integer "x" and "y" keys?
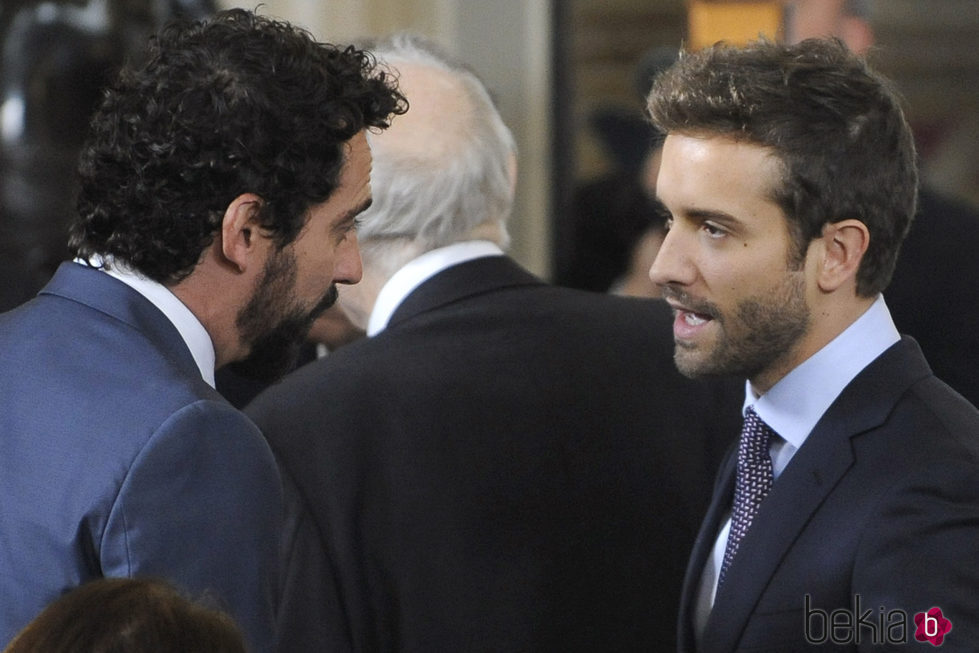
{"x": 274, "y": 351}
{"x": 760, "y": 332}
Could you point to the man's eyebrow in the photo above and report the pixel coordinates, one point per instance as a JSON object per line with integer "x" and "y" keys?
{"x": 694, "y": 212}
{"x": 352, "y": 214}
{"x": 711, "y": 214}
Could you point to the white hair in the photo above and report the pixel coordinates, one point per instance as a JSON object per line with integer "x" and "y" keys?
{"x": 461, "y": 181}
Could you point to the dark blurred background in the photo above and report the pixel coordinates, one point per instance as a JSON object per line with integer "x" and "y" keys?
{"x": 54, "y": 58}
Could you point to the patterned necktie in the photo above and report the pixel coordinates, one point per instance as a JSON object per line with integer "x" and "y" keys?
{"x": 754, "y": 480}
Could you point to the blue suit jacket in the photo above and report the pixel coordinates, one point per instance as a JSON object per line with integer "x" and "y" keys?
{"x": 880, "y": 505}
{"x": 117, "y": 459}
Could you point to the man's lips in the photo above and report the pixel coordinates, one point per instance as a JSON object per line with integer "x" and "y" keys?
{"x": 681, "y": 301}
{"x": 693, "y": 319}
{"x": 690, "y": 317}
{"x": 688, "y": 324}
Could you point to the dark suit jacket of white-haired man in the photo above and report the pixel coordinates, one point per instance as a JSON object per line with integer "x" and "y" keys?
{"x": 503, "y": 465}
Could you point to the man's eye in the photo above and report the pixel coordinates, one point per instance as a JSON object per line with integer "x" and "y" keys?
{"x": 713, "y": 230}
{"x": 349, "y": 228}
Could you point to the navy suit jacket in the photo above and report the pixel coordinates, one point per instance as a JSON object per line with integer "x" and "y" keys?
{"x": 509, "y": 466}
{"x": 881, "y": 502}
{"x": 117, "y": 459}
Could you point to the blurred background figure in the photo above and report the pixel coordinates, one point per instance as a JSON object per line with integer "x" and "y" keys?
{"x": 128, "y": 615}
{"x": 932, "y": 295}
{"x": 616, "y": 223}
{"x": 848, "y": 20}
{"x": 332, "y": 330}
{"x": 55, "y": 56}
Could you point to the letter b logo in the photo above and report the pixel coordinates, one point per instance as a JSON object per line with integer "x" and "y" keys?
{"x": 932, "y": 626}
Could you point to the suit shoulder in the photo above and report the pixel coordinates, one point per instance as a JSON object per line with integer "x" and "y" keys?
{"x": 949, "y": 411}
{"x": 213, "y": 433}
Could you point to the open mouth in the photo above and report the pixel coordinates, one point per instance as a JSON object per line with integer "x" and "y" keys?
{"x": 689, "y": 325}
{"x": 694, "y": 319}
{"x": 691, "y": 315}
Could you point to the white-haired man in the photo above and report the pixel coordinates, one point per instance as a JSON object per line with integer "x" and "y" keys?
{"x": 502, "y": 465}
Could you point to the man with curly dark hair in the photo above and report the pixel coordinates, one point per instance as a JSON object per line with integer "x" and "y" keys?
{"x": 219, "y": 191}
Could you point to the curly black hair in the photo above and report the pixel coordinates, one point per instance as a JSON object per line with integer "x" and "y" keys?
{"x": 233, "y": 104}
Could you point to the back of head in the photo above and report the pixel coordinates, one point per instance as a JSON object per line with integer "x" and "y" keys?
{"x": 125, "y": 615}
{"x": 444, "y": 170}
{"x": 835, "y": 125}
{"x": 233, "y": 104}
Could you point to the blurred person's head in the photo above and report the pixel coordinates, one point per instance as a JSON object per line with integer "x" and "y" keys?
{"x": 635, "y": 282}
{"x": 333, "y": 329}
{"x": 126, "y": 615}
{"x": 443, "y": 173}
{"x": 847, "y": 20}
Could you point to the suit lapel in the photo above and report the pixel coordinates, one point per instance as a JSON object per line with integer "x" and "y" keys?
{"x": 458, "y": 282}
{"x": 812, "y": 474}
{"x": 794, "y": 498}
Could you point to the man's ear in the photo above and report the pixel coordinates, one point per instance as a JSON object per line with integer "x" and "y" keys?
{"x": 843, "y": 245}
{"x": 240, "y": 231}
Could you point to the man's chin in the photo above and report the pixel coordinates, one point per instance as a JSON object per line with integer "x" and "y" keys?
{"x": 692, "y": 369}
{"x": 275, "y": 353}
{"x": 694, "y": 363}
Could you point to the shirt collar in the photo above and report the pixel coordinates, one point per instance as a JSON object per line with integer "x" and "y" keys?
{"x": 419, "y": 270}
{"x": 794, "y": 405}
{"x": 191, "y": 330}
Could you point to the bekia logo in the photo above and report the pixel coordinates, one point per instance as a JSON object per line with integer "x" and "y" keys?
{"x": 932, "y": 626}
{"x": 857, "y": 625}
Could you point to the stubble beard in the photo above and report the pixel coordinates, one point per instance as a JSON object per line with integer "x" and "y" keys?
{"x": 763, "y": 331}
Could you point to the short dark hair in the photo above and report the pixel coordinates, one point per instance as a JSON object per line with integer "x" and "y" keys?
{"x": 835, "y": 125}
{"x": 128, "y": 615}
{"x": 233, "y": 104}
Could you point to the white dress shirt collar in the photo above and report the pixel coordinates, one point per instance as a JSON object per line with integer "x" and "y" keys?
{"x": 418, "y": 271}
{"x": 794, "y": 405}
{"x": 190, "y": 328}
